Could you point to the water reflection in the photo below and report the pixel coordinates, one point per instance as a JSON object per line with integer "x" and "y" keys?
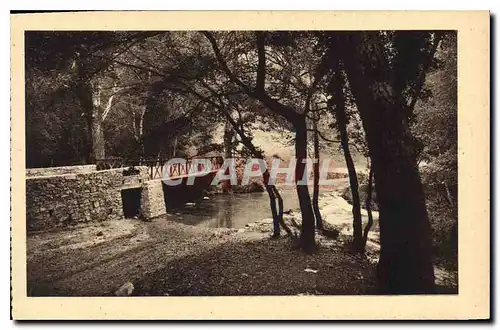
{"x": 237, "y": 210}
{"x": 230, "y": 210}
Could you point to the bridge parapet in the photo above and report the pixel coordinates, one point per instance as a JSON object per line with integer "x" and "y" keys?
{"x": 60, "y": 170}
{"x": 60, "y": 200}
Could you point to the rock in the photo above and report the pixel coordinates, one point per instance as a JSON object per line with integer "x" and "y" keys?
{"x": 100, "y": 233}
{"x": 347, "y": 195}
{"x": 249, "y": 188}
{"x": 190, "y": 204}
{"x": 125, "y": 290}
{"x": 309, "y": 270}
{"x": 206, "y": 198}
{"x": 241, "y": 230}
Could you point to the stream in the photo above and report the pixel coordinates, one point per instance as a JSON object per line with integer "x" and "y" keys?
{"x": 231, "y": 210}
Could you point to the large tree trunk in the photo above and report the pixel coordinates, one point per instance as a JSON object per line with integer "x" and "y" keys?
{"x": 90, "y": 102}
{"x": 405, "y": 264}
{"x": 138, "y": 123}
{"x": 307, "y": 232}
{"x": 315, "y": 201}
{"x": 98, "y": 142}
{"x": 356, "y": 204}
{"x": 336, "y": 88}
{"x": 272, "y": 203}
{"x": 280, "y": 211}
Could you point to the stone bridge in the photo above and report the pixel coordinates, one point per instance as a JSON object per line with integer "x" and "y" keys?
{"x": 70, "y": 195}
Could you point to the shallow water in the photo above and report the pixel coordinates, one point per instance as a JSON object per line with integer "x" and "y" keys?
{"x": 237, "y": 210}
{"x": 231, "y": 210}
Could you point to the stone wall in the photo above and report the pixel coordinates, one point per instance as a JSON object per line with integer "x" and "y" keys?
{"x": 62, "y": 200}
{"x": 50, "y": 171}
{"x": 152, "y": 199}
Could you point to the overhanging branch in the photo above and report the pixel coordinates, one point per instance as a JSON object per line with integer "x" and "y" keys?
{"x": 270, "y": 103}
{"x": 322, "y": 136}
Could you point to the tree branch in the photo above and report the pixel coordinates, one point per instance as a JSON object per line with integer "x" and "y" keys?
{"x": 134, "y": 38}
{"x": 322, "y": 137}
{"x": 318, "y": 75}
{"x": 141, "y": 68}
{"x": 223, "y": 64}
{"x": 108, "y": 107}
{"x": 421, "y": 78}
{"x": 270, "y": 103}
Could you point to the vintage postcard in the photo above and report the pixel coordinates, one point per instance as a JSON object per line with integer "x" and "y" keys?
{"x": 250, "y": 165}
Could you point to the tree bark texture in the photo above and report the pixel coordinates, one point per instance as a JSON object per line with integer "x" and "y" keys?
{"x": 308, "y": 227}
{"x": 338, "y": 100}
{"x": 315, "y": 201}
{"x": 405, "y": 265}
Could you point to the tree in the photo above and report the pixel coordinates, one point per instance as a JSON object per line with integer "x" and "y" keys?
{"x": 337, "y": 102}
{"x": 56, "y": 133}
{"x": 271, "y": 189}
{"x": 315, "y": 200}
{"x": 292, "y": 113}
{"x": 380, "y": 85}
{"x": 368, "y": 206}
{"x": 435, "y": 128}
{"x": 165, "y": 66}
{"x": 81, "y": 63}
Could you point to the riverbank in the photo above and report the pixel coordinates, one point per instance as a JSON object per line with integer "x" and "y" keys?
{"x": 263, "y": 267}
{"x": 169, "y": 258}
{"x": 96, "y": 260}
{"x": 165, "y": 257}
{"x": 245, "y": 269}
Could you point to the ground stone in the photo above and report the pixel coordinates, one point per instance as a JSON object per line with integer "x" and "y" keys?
{"x": 125, "y": 290}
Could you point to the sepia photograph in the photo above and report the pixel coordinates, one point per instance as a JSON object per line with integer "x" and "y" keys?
{"x": 242, "y": 162}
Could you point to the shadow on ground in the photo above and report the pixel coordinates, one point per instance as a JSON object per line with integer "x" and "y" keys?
{"x": 263, "y": 267}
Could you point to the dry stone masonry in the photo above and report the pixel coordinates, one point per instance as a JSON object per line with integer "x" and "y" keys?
{"x": 30, "y": 172}
{"x": 58, "y": 197}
